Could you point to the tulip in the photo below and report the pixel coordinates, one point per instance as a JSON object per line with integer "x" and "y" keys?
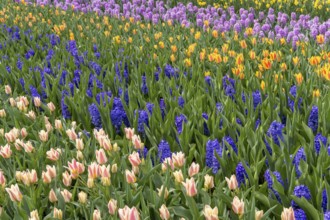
{"x": 51, "y": 170}
{"x": 115, "y": 147}
{"x": 57, "y": 214}
{"x": 12, "y": 102}
{"x": 178, "y": 159}
{"x": 193, "y": 169}
{"x": 160, "y": 191}
{"x": 232, "y": 182}
{"x": 66, "y": 195}
{"x": 67, "y": 179}
{"x": 114, "y": 168}
{"x": 71, "y": 134}
{"x": 259, "y": 215}
{"x": 105, "y": 143}
{"x": 79, "y": 144}
{"x": 190, "y": 186}
{"x": 238, "y": 206}
{"x": 128, "y": 214}
{"x": 130, "y": 176}
{"x": 10, "y": 137}
{"x": 2, "y": 179}
{"x": 58, "y": 125}
{"x": 52, "y": 196}
{"x": 2, "y": 132}
{"x": 134, "y": 159}
{"x": 8, "y": 89}
{"x": 129, "y": 133}
{"x": 164, "y": 213}
{"x": 80, "y": 155}
{"x": 76, "y": 168}
{"x": 167, "y": 163}
{"x": 209, "y": 213}
{"x": 82, "y": 197}
{"x": 105, "y": 175}
{"x": 18, "y": 144}
{"x": 178, "y": 176}
{"x": 43, "y": 135}
{"x": 137, "y": 142}
{"x": 5, "y": 151}
{"x": 53, "y": 155}
{"x": 36, "y": 101}
{"x": 2, "y": 113}
{"x": 49, "y": 127}
{"x": 31, "y": 114}
{"x": 93, "y": 170}
{"x": 28, "y": 147}
{"x": 46, "y": 178}
{"x": 24, "y": 133}
{"x": 51, "y": 106}
{"x": 96, "y": 214}
{"x": 34, "y": 215}
{"x": 287, "y": 214}
{"x": 101, "y": 156}
{"x": 112, "y": 206}
{"x": 14, "y": 193}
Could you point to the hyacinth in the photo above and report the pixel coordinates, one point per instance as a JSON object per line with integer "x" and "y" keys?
{"x": 170, "y": 71}
{"x": 300, "y": 155}
{"x": 34, "y": 92}
{"x": 143, "y": 153}
{"x": 144, "y": 87}
{"x": 219, "y": 107}
{"x": 300, "y": 214}
{"x": 324, "y": 200}
{"x": 206, "y": 129}
{"x": 270, "y": 182}
{"x": 118, "y": 114}
{"x": 231, "y": 143}
{"x": 314, "y": 118}
{"x": 241, "y": 174}
{"x": 149, "y": 107}
{"x": 105, "y": 96}
{"x": 162, "y": 107}
{"x": 179, "y": 120}
{"x": 164, "y": 150}
{"x": 293, "y": 92}
{"x": 318, "y": 140}
{"x": 217, "y": 151}
{"x": 95, "y": 116}
{"x": 181, "y": 101}
{"x": 256, "y": 98}
{"x": 275, "y": 131}
{"x": 65, "y": 109}
{"x": 301, "y": 191}
{"x": 142, "y": 120}
{"x": 211, "y": 145}
{"x": 228, "y": 85}
{"x": 327, "y": 215}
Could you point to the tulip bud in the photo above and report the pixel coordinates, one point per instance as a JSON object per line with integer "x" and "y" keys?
{"x": 287, "y": 214}
{"x": 128, "y": 214}
{"x": 82, "y": 197}
{"x": 190, "y": 186}
{"x": 28, "y": 147}
{"x": 66, "y": 178}
{"x": 34, "y": 215}
{"x": 164, "y": 213}
{"x": 2, "y": 132}
{"x": 52, "y": 196}
{"x": 115, "y": 147}
{"x": 178, "y": 159}
{"x": 58, "y": 214}
{"x": 5, "y": 151}
{"x": 53, "y": 155}
{"x": 71, "y": 134}
{"x": 31, "y": 115}
{"x": 24, "y": 133}
{"x": 167, "y": 163}
{"x": 58, "y": 124}
{"x": 114, "y": 168}
{"x": 2, "y": 180}
{"x": 2, "y": 113}
{"x": 232, "y": 182}
{"x": 178, "y": 176}
{"x": 49, "y": 127}
{"x": 80, "y": 155}
{"x": 208, "y": 182}
{"x": 96, "y": 215}
{"x": 21, "y": 106}
{"x": 51, "y": 106}
{"x": 130, "y": 177}
{"x": 36, "y": 101}
{"x": 14, "y": 193}
{"x": 66, "y": 195}
{"x": 46, "y": 178}
{"x": 137, "y": 142}
{"x": 43, "y": 135}
{"x": 259, "y": 215}
{"x": 12, "y": 102}
{"x": 7, "y": 89}
{"x": 112, "y": 206}
{"x": 134, "y": 159}
{"x": 238, "y": 206}
{"x": 79, "y": 144}
{"x": 193, "y": 169}
{"x": 90, "y": 182}
{"x": 101, "y": 157}
{"x": 160, "y": 191}
{"x": 129, "y": 133}
{"x": 210, "y": 214}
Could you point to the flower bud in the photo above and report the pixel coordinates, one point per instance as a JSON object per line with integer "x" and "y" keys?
{"x": 238, "y": 206}
{"x": 112, "y": 206}
{"x": 24, "y": 133}
{"x": 82, "y": 197}
{"x": 164, "y": 213}
{"x": 46, "y": 178}
{"x": 137, "y": 142}
{"x": 259, "y": 215}
{"x": 190, "y": 186}
{"x": 58, "y": 125}
{"x": 51, "y": 106}
{"x": 160, "y": 191}
{"x": 178, "y": 159}
{"x": 2, "y": 113}
{"x": 12, "y": 102}
{"x": 178, "y": 176}
{"x": 31, "y": 115}
{"x": 101, "y": 157}
{"x": 52, "y": 196}
{"x": 71, "y": 134}
{"x": 49, "y": 127}
{"x": 28, "y": 147}
{"x": 134, "y": 159}
{"x": 7, "y": 89}
{"x": 36, "y": 101}
{"x": 232, "y": 182}
{"x": 34, "y": 215}
{"x": 43, "y": 135}
{"x": 5, "y": 151}
{"x": 53, "y": 155}
{"x": 114, "y": 168}
{"x": 2, "y": 180}
{"x": 129, "y": 132}
{"x": 287, "y": 214}
{"x": 208, "y": 182}
{"x": 209, "y": 213}
{"x": 57, "y": 214}
{"x": 130, "y": 177}
{"x": 66, "y": 195}
{"x": 66, "y": 178}
{"x": 193, "y": 169}
{"x": 14, "y": 193}
{"x": 96, "y": 215}
{"x": 79, "y": 144}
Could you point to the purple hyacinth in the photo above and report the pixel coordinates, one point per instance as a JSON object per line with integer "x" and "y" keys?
{"x": 228, "y": 85}
{"x": 143, "y": 153}
{"x": 95, "y": 116}
{"x": 150, "y": 107}
{"x": 63, "y": 77}
{"x": 324, "y": 200}
{"x": 327, "y": 215}
{"x": 275, "y": 131}
{"x": 231, "y": 143}
{"x": 210, "y": 146}
{"x": 206, "y": 129}
{"x": 22, "y": 82}
{"x": 34, "y": 92}
{"x": 144, "y": 87}
{"x": 105, "y": 96}
{"x": 181, "y": 101}
{"x": 164, "y": 150}
{"x": 299, "y": 214}
{"x": 270, "y": 182}
{"x": 256, "y": 98}
{"x": 314, "y": 118}
{"x": 162, "y": 107}
{"x": 318, "y": 140}
{"x": 217, "y": 151}
{"x": 179, "y": 120}
{"x": 142, "y": 120}
{"x": 300, "y": 191}
{"x": 241, "y": 174}
{"x": 300, "y": 155}
{"x": 65, "y": 109}
{"x": 293, "y": 92}
{"x": 170, "y": 71}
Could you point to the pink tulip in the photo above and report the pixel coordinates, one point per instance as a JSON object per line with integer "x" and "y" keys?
{"x": 137, "y": 142}
{"x": 238, "y": 206}
{"x": 10, "y": 137}
{"x": 57, "y": 214}
{"x": 43, "y": 135}
{"x": 96, "y": 214}
{"x": 46, "y": 178}
{"x": 167, "y": 163}
{"x": 130, "y": 177}
{"x": 164, "y": 213}
{"x": 2, "y": 179}
{"x": 52, "y": 196}
{"x": 76, "y": 168}
{"x": 36, "y": 101}
{"x": 105, "y": 175}
{"x": 112, "y": 206}
{"x": 79, "y": 144}
{"x": 5, "y": 151}
{"x": 7, "y": 89}
{"x": 67, "y": 179}
{"x": 210, "y": 214}
{"x": 24, "y": 133}
{"x": 134, "y": 159}
{"x": 53, "y": 154}
{"x": 28, "y": 147}
{"x": 128, "y": 214}
{"x": 190, "y": 186}
{"x": 232, "y": 182}
{"x": 287, "y": 214}
{"x": 51, "y": 106}
{"x": 14, "y": 193}
{"x": 129, "y": 133}
{"x": 93, "y": 170}
{"x": 193, "y": 169}
{"x": 58, "y": 125}
{"x": 66, "y": 195}
{"x": 51, "y": 170}
{"x": 101, "y": 157}
{"x": 178, "y": 159}
{"x": 71, "y": 134}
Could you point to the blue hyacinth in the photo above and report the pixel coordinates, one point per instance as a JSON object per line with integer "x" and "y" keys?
{"x": 228, "y": 85}
{"x": 327, "y": 215}
{"x": 217, "y": 151}
{"x": 95, "y": 116}
{"x": 210, "y": 146}
{"x": 275, "y": 131}
{"x": 143, "y": 153}
{"x": 142, "y": 120}
{"x": 318, "y": 140}
{"x": 231, "y": 143}
{"x": 256, "y": 98}
{"x": 270, "y": 182}
{"x": 324, "y": 200}
{"x": 65, "y": 109}
{"x": 144, "y": 87}
{"x": 150, "y": 107}
{"x": 241, "y": 174}
{"x": 300, "y": 155}
{"x": 105, "y": 96}
{"x": 181, "y": 101}
{"x": 314, "y": 118}
{"x": 206, "y": 129}
{"x": 293, "y": 92}
{"x": 299, "y": 214}
{"x": 162, "y": 107}
{"x": 179, "y": 120}
{"x": 164, "y": 150}
{"x": 300, "y": 191}
{"x": 34, "y": 92}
